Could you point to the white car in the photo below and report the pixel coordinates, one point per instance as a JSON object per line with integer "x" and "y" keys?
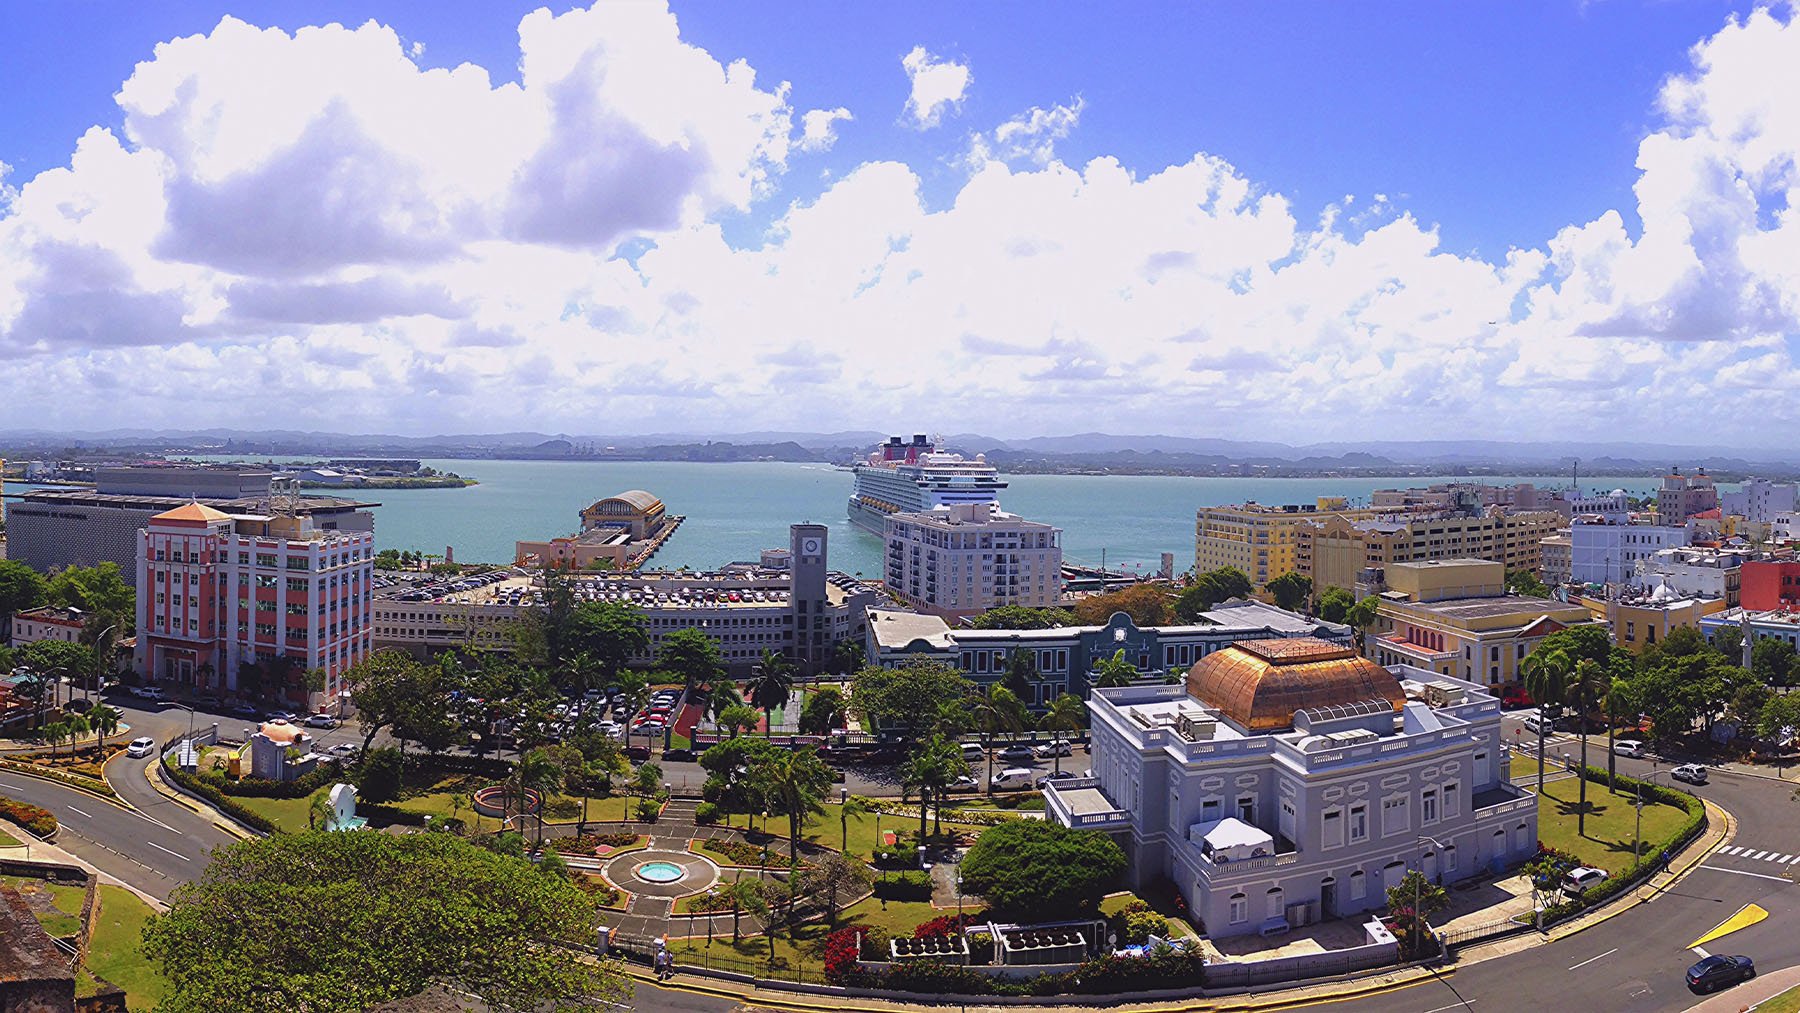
{"x": 322, "y": 721}
{"x": 343, "y": 751}
{"x": 1692, "y": 773}
{"x": 1536, "y": 723}
{"x": 1629, "y": 747}
{"x": 1582, "y": 877}
{"x": 1013, "y": 779}
{"x": 146, "y": 692}
{"x": 1061, "y": 747}
{"x": 972, "y": 751}
{"x": 140, "y": 747}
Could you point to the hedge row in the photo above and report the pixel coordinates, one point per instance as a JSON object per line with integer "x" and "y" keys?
{"x": 52, "y": 774}
{"x": 913, "y": 884}
{"x": 1652, "y": 859}
{"x": 323, "y": 775}
{"x": 219, "y": 800}
{"x": 40, "y": 821}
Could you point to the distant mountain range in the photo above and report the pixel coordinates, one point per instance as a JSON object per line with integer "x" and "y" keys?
{"x": 1083, "y": 452}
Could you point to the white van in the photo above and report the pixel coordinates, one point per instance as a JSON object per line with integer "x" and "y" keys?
{"x": 1013, "y": 779}
{"x": 1629, "y": 747}
{"x": 972, "y": 751}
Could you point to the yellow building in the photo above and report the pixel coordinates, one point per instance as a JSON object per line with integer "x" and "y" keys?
{"x": 1262, "y": 541}
{"x": 1454, "y": 617}
{"x": 1335, "y": 550}
{"x": 1647, "y": 620}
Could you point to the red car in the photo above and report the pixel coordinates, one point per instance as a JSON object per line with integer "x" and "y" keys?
{"x": 1514, "y": 697}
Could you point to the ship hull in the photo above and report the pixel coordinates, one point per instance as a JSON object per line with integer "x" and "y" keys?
{"x": 868, "y": 518}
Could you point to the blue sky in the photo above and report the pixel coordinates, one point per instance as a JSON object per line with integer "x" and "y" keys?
{"x": 1459, "y": 131}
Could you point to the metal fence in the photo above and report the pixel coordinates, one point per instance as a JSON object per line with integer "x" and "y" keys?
{"x": 1454, "y": 938}
{"x": 722, "y": 958}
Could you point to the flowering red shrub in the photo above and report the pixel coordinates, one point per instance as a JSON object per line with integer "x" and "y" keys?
{"x": 943, "y": 925}
{"x": 842, "y": 951}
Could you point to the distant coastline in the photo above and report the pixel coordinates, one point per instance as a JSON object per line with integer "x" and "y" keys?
{"x": 440, "y": 482}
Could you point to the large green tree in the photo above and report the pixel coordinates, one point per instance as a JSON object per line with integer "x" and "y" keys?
{"x": 824, "y": 711}
{"x": 1022, "y": 617}
{"x": 792, "y": 783}
{"x": 1040, "y": 870}
{"x": 1114, "y": 671}
{"x": 48, "y": 661}
{"x": 1772, "y": 659}
{"x": 384, "y": 688}
{"x": 997, "y": 711}
{"x": 1291, "y": 589}
{"x": 1211, "y": 588}
{"x": 1335, "y": 604}
{"x": 929, "y": 772}
{"x": 611, "y": 633}
{"x": 903, "y": 702}
{"x": 100, "y": 590}
{"x": 693, "y": 657}
{"x": 386, "y": 917}
{"x": 1526, "y": 583}
{"x": 21, "y": 588}
{"x": 1067, "y": 713}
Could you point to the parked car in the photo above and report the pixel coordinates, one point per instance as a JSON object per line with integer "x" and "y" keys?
{"x": 343, "y": 751}
{"x": 242, "y": 710}
{"x": 1014, "y": 754}
{"x": 287, "y": 716}
{"x": 1060, "y": 747}
{"x": 1720, "y": 971}
{"x": 1629, "y": 747}
{"x": 965, "y": 783}
{"x": 1055, "y": 775}
{"x": 146, "y": 692}
{"x": 1536, "y": 724}
{"x": 1013, "y": 779}
{"x": 206, "y": 700}
{"x": 681, "y": 755}
{"x": 79, "y": 705}
{"x": 141, "y": 746}
{"x": 1581, "y": 877}
{"x": 1692, "y": 773}
{"x": 972, "y": 751}
{"x": 322, "y": 721}
{"x": 1514, "y": 697}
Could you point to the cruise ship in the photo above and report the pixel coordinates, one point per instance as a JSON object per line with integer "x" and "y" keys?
{"x": 904, "y": 477}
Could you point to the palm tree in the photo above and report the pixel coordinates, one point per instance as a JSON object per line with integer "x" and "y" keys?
{"x": 770, "y": 687}
{"x": 929, "y": 771}
{"x": 1620, "y": 697}
{"x": 723, "y": 697}
{"x": 857, "y": 806}
{"x": 104, "y": 721}
{"x": 1114, "y": 671}
{"x": 537, "y": 772}
{"x": 1546, "y": 672}
{"x": 54, "y": 732}
{"x": 1067, "y": 713}
{"x": 998, "y": 710}
{"x": 793, "y": 783}
{"x": 74, "y": 727}
{"x": 1591, "y": 681}
{"x": 319, "y": 814}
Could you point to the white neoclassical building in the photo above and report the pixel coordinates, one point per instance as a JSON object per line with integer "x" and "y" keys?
{"x": 1291, "y": 780}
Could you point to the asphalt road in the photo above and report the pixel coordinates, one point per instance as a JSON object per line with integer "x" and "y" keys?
{"x": 1634, "y": 962}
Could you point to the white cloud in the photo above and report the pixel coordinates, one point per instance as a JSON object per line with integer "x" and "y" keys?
{"x": 818, "y": 128}
{"x": 1030, "y": 136}
{"x": 937, "y": 86}
{"x": 292, "y": 228}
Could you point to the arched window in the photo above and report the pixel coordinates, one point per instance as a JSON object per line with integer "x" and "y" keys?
{"x": 1240, "y": 909}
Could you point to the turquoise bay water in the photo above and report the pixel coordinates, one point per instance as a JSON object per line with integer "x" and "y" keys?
{"x": 734, "y": 510}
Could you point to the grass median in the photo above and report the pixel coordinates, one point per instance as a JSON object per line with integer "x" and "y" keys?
{"x": 1612, "y": 824}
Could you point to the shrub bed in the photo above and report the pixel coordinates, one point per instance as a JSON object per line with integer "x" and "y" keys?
{"x": 219, "y": 800}
{"x": 741, "y": 854}
{"x": 913, "y": 884}
{"x": 37, "y": 819}
{"x": 586, "y": 843}
{"x": 602, "y": 892}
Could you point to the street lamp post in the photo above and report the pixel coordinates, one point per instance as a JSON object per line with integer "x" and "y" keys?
{"x": 1637, "y": 831}
{"x": 87, "y": 692}
{"x": 711, "y": 893}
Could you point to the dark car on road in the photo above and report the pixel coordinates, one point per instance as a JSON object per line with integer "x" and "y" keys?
{"x": 1719, "y": 971}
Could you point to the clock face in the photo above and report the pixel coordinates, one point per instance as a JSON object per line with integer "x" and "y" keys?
{"x": 810, "y": 546}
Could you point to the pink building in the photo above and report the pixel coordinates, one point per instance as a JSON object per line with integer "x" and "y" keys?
{"x": 217, "y": 591}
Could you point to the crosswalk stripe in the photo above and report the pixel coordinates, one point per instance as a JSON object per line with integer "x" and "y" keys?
{"x": 1758, "y": 856}
{"x": 1784, "y": 859}
{"x": 1729, "y": 851}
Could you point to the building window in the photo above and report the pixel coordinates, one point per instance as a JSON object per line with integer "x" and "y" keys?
{"x": 1246, "y": 809}
{"x": 1450, "y": 859}
{"x": 1331, "y": 828}
{"x": 1394, "y": 815}
{"x": 1210, "y": 810}
{"x": 1359, "y": 822}
{"x": 1240, "y": 909}
{"x": 1428, "y": 806}
{"x": 1359, "y": 885}
{"x": 1452, "y": 800}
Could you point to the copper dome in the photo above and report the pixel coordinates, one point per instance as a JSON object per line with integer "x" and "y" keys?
{"x": 1259, "y": 684}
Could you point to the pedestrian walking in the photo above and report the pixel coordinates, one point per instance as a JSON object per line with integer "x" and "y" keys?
{"x": 664, "y": 965}
{"x": 1665, "y": 859}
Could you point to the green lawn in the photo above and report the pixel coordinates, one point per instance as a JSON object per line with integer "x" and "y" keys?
{"x": 62, "y": 916}
{"x": 1786, "y": 1002}
{"x": 1611, "y": 820}
{"x": 8, "y": 841}
{"x": 1161, "y": 904}
{"x": 287, "y": 813}
{"x": 117, "y": 954}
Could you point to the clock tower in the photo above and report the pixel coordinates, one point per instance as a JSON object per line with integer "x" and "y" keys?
{"x": 812, "y": 617}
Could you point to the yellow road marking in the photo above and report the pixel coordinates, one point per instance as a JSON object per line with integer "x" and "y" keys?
{"x": 1746, "y": 916}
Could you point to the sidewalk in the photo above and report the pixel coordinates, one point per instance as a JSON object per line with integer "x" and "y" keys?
{"x": 1763, "y": 987}
{"x": 44, "y": 851}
